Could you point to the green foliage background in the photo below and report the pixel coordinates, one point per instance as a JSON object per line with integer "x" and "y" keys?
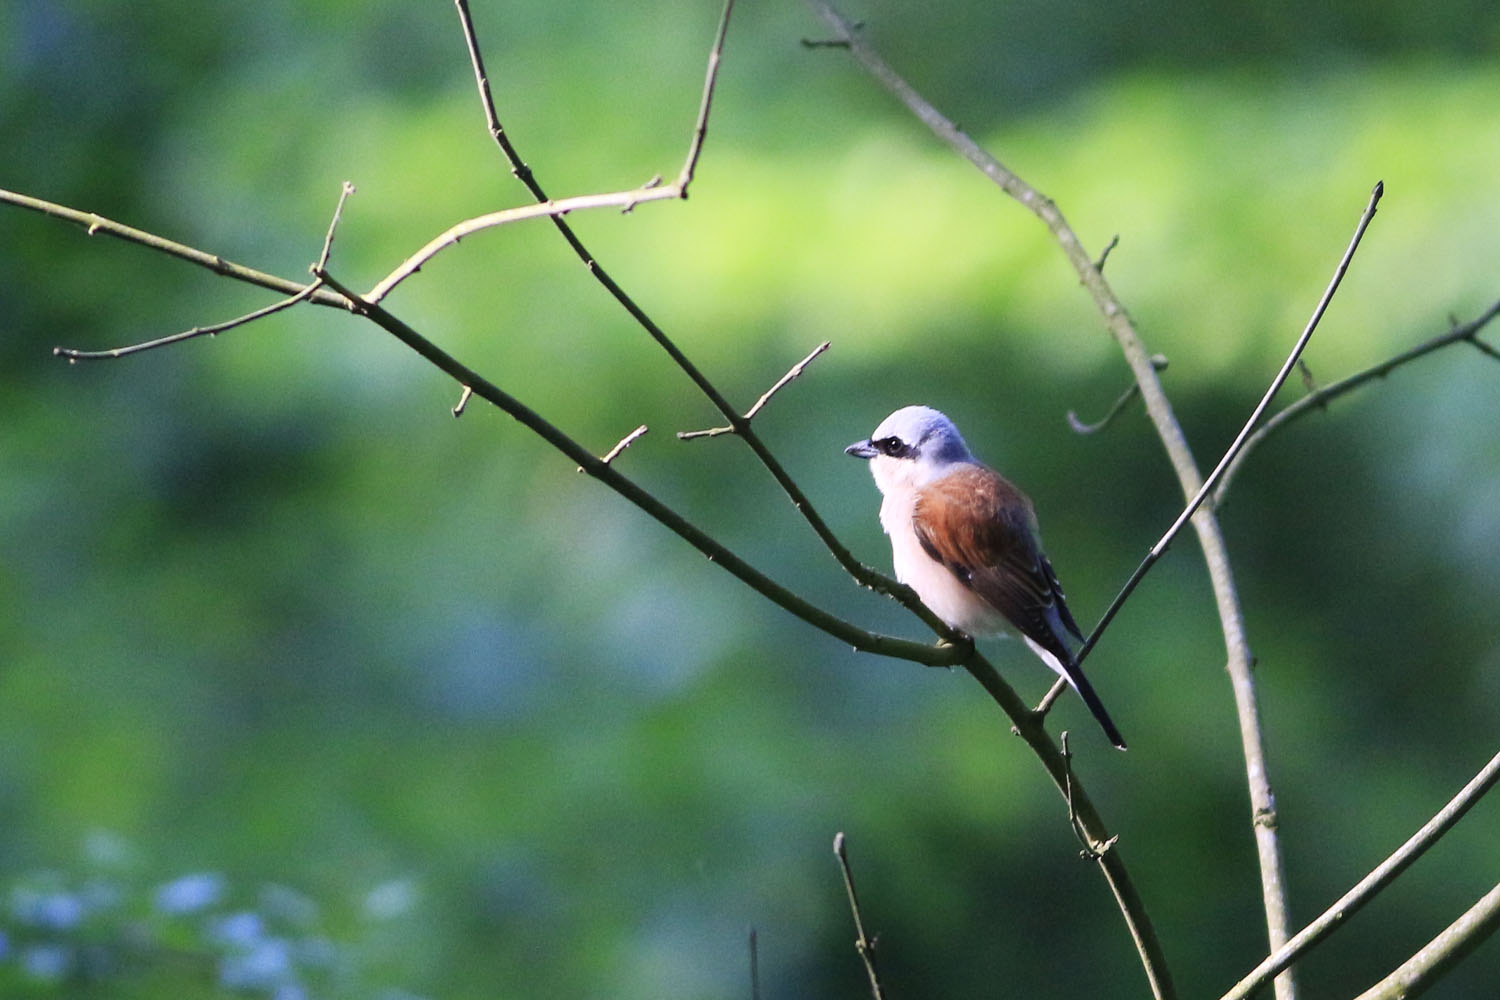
{"x": 266, "y": 609}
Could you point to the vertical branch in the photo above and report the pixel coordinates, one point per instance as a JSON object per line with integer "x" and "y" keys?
{"x": 862, "y": 944}
{"x": 1168, "y": 429}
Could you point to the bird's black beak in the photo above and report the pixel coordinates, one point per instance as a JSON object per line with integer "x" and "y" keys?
{"x": 861, "y": 449}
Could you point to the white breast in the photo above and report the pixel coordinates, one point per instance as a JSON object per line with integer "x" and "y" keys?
{"x": 934, "y": 583}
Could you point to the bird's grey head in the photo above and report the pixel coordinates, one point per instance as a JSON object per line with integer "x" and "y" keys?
{"x": 911, "y": 447}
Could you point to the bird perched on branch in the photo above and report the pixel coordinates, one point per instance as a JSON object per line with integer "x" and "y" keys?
{"x": 966, "y": 541}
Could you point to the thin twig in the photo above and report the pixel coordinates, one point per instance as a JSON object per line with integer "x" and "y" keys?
{"x": 333, "y": 224}
{"x": 1464, "y": 333}
{"x": 1109, "y": 247}
{"x": 487, "y": 99}
{"x": 621, "y": 445}
{"x": 1158, "y": 361}
{"x": 765, "y": 398}
{"x": 629, "y": 199}
{"x": 1363, "y": 891}
{"x": 305, "y": 293}
{"x": 754, "y": 968}
{"x": 73, "y": 354}
{"x": 1090, "y": 851}
{"x": 862, "y": 944}
{"x": 1440, "y": 954}
{"x": 453, "y": 234}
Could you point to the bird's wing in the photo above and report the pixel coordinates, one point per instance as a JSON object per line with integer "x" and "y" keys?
{"x": 982, "y": 528}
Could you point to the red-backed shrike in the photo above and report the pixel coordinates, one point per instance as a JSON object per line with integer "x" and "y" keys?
{"x": 966, "y": 541}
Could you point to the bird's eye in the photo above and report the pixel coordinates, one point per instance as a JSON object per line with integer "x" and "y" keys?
{"x": 892, "y": 446}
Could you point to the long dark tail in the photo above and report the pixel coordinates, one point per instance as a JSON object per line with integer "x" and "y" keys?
{"x": 1080, "y": 683}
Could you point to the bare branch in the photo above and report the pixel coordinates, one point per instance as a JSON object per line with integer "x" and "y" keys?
{"x": 73, "y": 354}
{"x": 650, "y": 191}
{"x": 710, "y": 78}
{"x": 862, "y": 574}
{"x": 1459, "y": 333}
{"x": 862, "y": 944}
{"x": 760, "y": 403}
{"x": 1239, "y": 442}
{"x": 453, "y": 234}
{"x": 935, "y": 655}
{"x": 1339, "y": 913}
{"x": 95, "y": 224}
{"x": 304, "y": 294}
{"x": 497, "y": 131}
{"x": 1158, "y": 361}
{"x": 333, "y": 224}
{"x": 1138, "y": 922}
{"x": 1440, "y": 954}
{"x": 1109, "y": 247}
{"x": 621, "y": 445}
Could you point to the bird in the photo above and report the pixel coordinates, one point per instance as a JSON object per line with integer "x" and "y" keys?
{"x": 966, "y": 540}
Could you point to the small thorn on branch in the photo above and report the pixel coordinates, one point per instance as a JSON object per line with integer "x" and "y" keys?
{"x": 760, "y": 403}
{"x": 629, "y": 206}
{"x": 1158, "y": 363}
{"x": 832, "y": 43}
{"x": 621, "y": 445}
{"x": 463, "y": 401}
{"x": 1114, "y": 241}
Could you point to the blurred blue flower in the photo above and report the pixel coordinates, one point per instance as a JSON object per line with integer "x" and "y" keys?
{"x": 190, "y": 893}
{"x": 241, "y": 930}
{"x": 265, "y": 966}
{"x": 49, "y": 962}
{"x": 56, "y": 911}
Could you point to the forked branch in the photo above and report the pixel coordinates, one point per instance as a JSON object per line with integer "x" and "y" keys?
{"x": 1459, "y": 333}
{"x": 864, "y": 575}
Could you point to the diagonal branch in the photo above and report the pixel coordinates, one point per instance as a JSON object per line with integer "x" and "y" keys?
{"x": 306, "y": 293}
{"x": 933, "y": 655}
{"x": 96, "y": 224}
{"x": 1319, "y": 398}
{"x": 744, "y": 422}
{"x": 1240, "y": 439}
{"x": 1440, "y": 954}
{"x": 73, "y": 354}
{"x": 1385, "y": 872}
{"x": 1028, "y": 725}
